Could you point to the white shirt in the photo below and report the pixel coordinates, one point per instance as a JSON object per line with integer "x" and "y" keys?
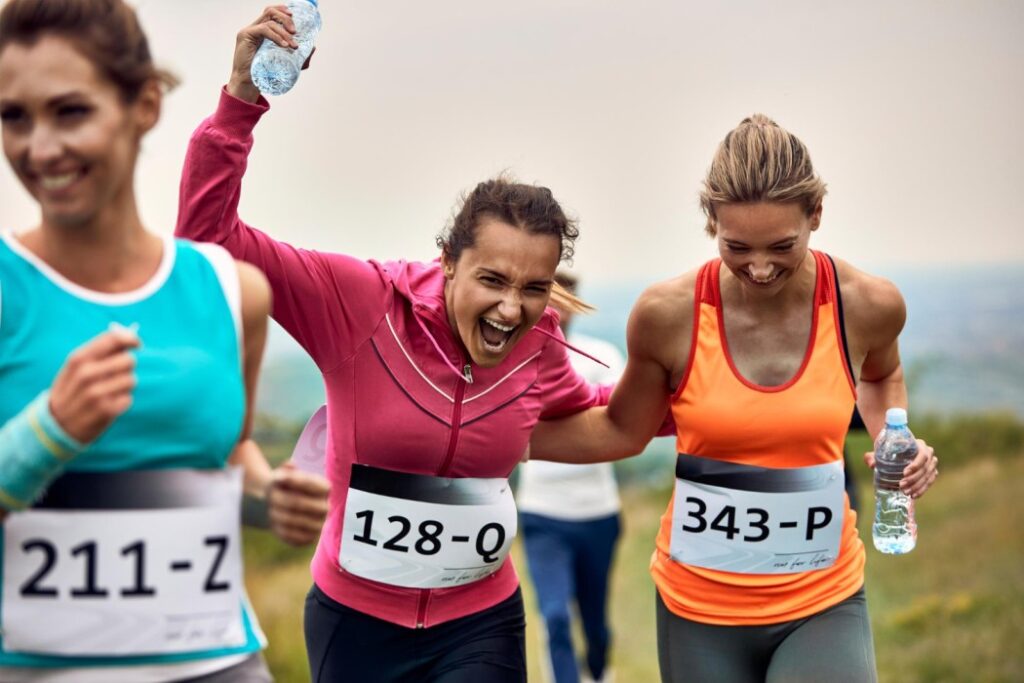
{"x": 575, "y": 492}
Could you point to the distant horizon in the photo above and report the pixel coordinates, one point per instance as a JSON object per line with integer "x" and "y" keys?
{"x": 280, "y": 343}
{"x": 960, "y": 347}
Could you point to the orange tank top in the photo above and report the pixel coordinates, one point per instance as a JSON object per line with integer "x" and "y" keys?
{"x": 721, "y": 415}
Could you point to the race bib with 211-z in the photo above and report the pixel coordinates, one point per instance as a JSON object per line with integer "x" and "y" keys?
{"x": 126, "y": 563}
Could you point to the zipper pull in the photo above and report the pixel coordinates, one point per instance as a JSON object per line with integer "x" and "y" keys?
{"x": 467, "y": 373}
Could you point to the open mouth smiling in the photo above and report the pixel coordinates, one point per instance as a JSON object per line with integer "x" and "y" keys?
{"x": 495, "y": 335}
{"x": 57, "y": 182}
{"x": 763, "y": 282}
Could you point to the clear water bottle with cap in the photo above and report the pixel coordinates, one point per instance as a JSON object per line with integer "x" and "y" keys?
{"x": 275, "y": 69}
{"x": 894, "y": 531}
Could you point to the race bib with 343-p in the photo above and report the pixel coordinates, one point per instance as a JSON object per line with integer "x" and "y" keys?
{"x": 756, "y": 520}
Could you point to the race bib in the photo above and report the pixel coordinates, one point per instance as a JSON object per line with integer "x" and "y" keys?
{"x": 126, "y": 563}
{"x": 756, "y": 520}
{"x": 419, "y": 531}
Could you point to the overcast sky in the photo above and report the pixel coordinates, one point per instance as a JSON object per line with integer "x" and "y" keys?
{"x": 912, "y": 112}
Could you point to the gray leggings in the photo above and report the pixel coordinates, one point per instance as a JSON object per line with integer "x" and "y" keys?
{"x": 833, "y": 645}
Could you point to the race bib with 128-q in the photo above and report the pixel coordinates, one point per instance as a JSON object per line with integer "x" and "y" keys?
{"x": 420, "y": 531}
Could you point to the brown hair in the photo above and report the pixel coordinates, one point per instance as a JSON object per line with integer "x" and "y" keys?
{"x": 759, "y": 161}
{"x": 528, "y": 207}
{"x": 106, "y": 32}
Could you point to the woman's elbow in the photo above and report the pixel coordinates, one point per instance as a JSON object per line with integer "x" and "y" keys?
{"x": 629, "y": 446}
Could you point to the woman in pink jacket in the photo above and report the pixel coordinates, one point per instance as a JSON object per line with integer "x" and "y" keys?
{"x": 436, "y": 374}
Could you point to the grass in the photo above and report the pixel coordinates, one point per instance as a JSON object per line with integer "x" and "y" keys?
{"x": 278, "y": 592}
{"x": 952, "y": 610}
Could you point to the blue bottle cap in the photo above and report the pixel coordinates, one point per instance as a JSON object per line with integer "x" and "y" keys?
{"x": 897, "y": 417}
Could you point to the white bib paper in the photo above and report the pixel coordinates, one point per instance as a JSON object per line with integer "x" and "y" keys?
{"x": 419, "y": 531}
{"x": 753, "y": 520}
{"x": 122, "y": 582}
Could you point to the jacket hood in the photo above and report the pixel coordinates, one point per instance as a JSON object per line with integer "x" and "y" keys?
{"x": 422, "y": 284}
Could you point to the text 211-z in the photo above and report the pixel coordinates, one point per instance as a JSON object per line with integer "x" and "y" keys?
{"x": 35, "y": 586}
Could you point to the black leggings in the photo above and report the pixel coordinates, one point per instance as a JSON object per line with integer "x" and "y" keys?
{"x": 344, "y": 644}
{"x": 833, "y": 645}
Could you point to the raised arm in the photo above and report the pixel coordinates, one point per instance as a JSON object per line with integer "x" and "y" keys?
{"x": 638, "y": 403}
{"x": 328, "y": 302}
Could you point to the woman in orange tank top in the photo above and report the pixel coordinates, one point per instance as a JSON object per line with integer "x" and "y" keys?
{"x": 761, "y": 355}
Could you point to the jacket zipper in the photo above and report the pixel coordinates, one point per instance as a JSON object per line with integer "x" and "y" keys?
{"x": 421, "y": 610}
{"x": 453, "y": 440}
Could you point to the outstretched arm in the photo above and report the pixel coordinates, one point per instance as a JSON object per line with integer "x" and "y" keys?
{"x": 637, "y": 406}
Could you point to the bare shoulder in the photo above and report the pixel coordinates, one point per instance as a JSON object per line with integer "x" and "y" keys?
{"x": 873, "y": 306}
{"x": 661, "y": 323}
{"x": 666, "y": 304}
{"x": 255, "y": 292}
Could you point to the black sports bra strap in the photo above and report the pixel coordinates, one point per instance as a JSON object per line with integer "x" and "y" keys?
{"x": 842, "y": 318}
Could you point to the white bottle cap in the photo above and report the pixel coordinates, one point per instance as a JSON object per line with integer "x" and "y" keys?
{"x": 897, "y": 417}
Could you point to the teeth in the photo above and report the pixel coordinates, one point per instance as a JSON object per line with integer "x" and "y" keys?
{"x": 765, "y": 281}
{"x": 499, "y": 326}
{"x": 57, "y": 182}
{"x": 495, "y": 347}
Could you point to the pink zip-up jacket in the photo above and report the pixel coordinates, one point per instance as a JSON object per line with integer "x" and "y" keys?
{"x": 392, "y": 368}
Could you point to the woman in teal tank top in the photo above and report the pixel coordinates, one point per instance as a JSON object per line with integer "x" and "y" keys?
{"x": 127, "y": 365}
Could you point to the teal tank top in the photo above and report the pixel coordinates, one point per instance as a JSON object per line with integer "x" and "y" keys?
{"x": 189, "y": 404}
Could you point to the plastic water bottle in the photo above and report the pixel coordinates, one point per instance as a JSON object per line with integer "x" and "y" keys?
{"x": 275, "y": 69}
{"x": 894, "y": 531}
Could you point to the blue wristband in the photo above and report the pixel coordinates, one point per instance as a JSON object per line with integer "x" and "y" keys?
{"x": 66, "y": 446}
{"x": 33, "y": 452}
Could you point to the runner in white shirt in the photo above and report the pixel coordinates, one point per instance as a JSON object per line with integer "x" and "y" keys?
{"x": 570, "y": 523}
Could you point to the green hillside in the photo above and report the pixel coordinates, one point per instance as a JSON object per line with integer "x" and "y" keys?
{"x": 953, "y": 610}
